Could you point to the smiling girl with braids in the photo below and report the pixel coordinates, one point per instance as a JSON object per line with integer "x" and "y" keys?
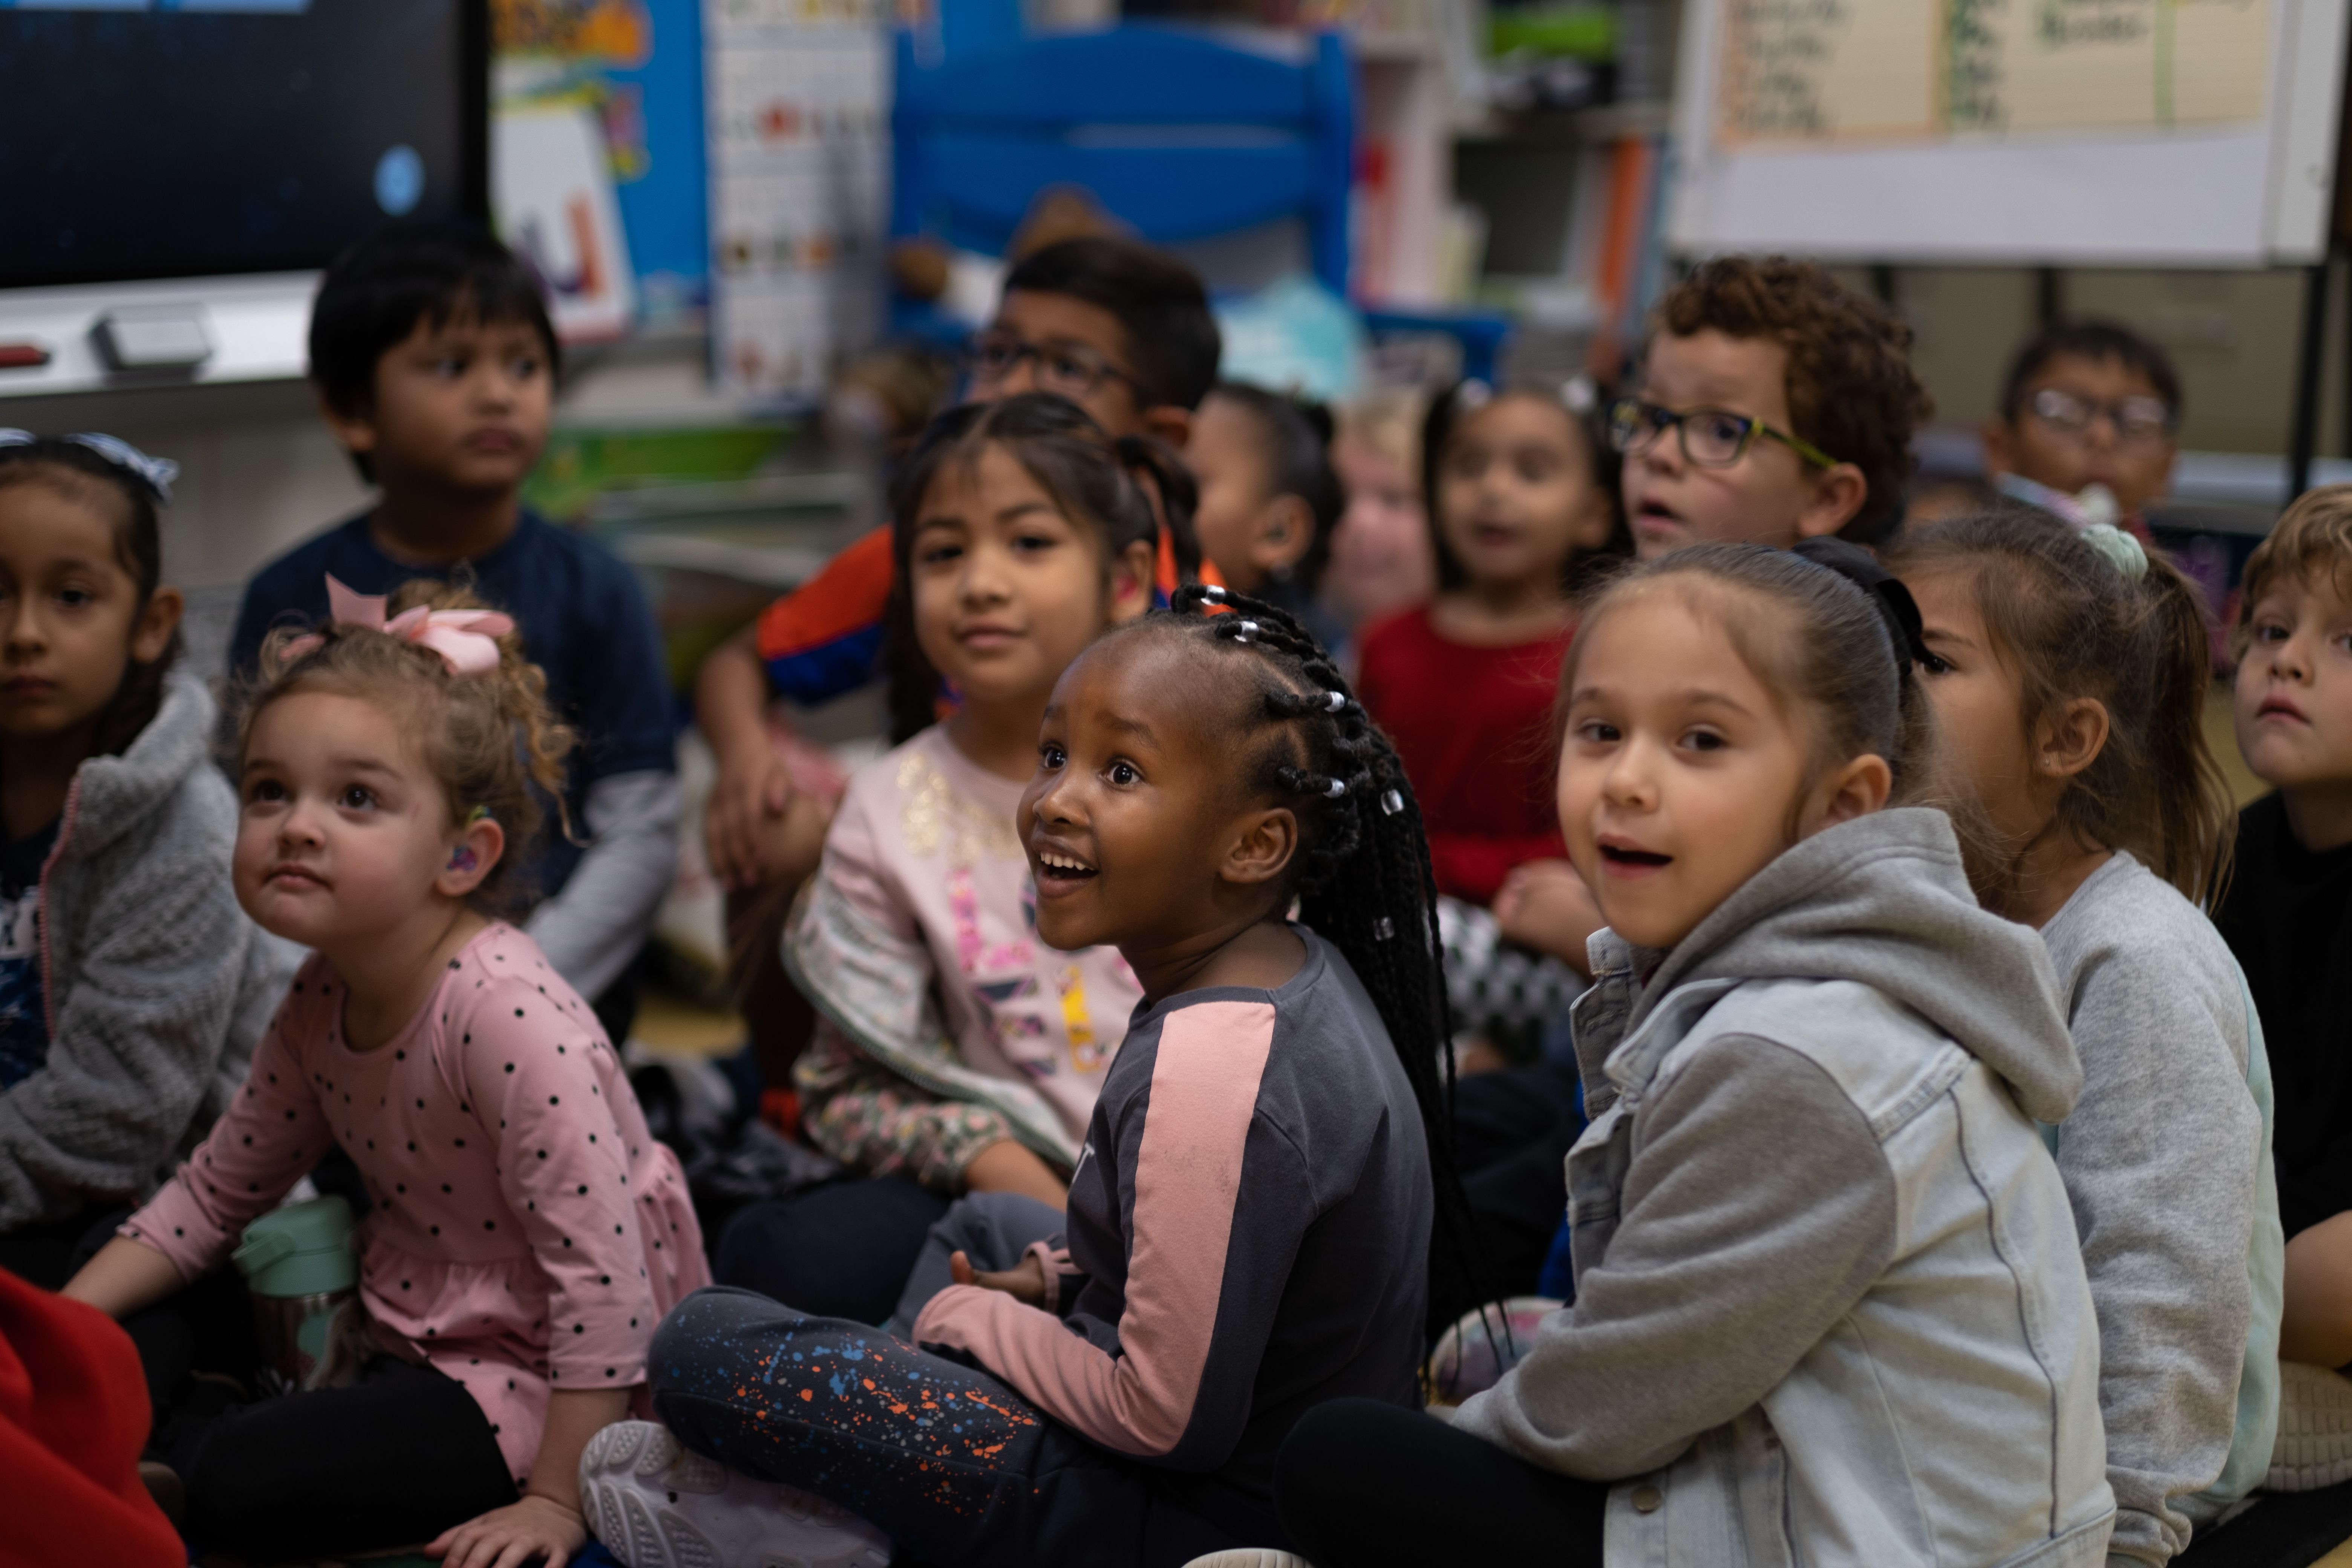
{"x": 1248, "y": 1231}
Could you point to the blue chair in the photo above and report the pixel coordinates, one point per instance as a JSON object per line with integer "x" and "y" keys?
{"x": 1180, "y": 135}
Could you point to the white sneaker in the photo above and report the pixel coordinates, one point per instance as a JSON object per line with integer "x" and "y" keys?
{"x": 655, "y": 1505}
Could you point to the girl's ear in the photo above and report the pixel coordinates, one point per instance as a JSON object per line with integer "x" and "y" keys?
{"x": 2071, "y": 738}
{"x": 1261, "y": 848}
{"x": 152, "y": 633}
{"x": 1857, "y": 789}
{"x": 473, "y": 850}
{"x": 1131, "y": 575}
{"x": 1286, "y": 530}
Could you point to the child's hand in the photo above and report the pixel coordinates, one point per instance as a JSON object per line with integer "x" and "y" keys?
{"x": 1024, "y": 1281}
{"x": 508, "y": 1537}
{"x": 747, "y": 805}
{"x": 1545, "y": 905}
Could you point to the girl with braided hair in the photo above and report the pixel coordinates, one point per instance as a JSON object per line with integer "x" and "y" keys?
{"x": 1249, "y": 1225}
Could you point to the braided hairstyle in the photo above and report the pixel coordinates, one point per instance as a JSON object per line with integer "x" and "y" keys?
{"x": 1093, "y": 479}
{"x": 1361, "y": 874}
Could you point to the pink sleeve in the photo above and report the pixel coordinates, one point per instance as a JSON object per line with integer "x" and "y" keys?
{"x": 1187, "y": 1174}
{"x": 535, "y": 1069}
{"x": 271, "y": 1134}
{"x": 854, "y": 863}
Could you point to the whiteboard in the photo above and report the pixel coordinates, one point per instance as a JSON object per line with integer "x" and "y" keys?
{"x": 2179, "y": 133}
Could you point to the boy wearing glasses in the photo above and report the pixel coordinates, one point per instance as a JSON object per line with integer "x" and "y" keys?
{"x": 2086, "y": 403}
{"x": 1774, "y": 404}
{"x": 1121, "y": 330}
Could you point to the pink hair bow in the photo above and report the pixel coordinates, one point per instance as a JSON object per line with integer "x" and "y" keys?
{"x": 467, "y": 639}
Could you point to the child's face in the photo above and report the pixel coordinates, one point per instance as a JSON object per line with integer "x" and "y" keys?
{"x": 70, "y": 620}
{"x": 1136, "y": 836}
{"x": 2294, "y": 698}
{"x": 2084, "y": 422}
{"x": 1980, "y": 708}
{"x": 1381, "y": 554}
{"x": 462, "y": 408}
{"x": 1006, "y": 589}
{"x": 1515, "y": 496}
{"x": 1769, "y": 495}
{"x": 344, "y": 836}
{"x": 1081, "y": 353}
{"x": 1679, "y": 774}
{"x": 1250, "y": 532}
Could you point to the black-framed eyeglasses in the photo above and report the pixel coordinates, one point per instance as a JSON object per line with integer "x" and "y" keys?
{"x": 2138, "y": 421}
{"x": 1709, "y": 437}
{"x": 1072, "y": 370}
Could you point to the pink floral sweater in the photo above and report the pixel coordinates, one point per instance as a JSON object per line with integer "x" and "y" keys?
{"x": 528, "y": 1233}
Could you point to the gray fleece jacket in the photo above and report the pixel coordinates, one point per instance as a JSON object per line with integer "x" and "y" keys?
{"x": 1829, "y": 1305}
{"x": 157, "y": 984}
{"x": 2166, "y": 1161}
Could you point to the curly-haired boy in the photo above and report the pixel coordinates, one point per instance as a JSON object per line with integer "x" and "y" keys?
{"x": 1774, "y": 404}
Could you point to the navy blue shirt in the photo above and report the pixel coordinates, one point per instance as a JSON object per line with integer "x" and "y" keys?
{"x": 23, "y": 1020}
{"x": 584, "y": 620}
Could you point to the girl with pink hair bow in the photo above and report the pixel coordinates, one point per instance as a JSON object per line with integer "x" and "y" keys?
{"x": 527, "y": 1233}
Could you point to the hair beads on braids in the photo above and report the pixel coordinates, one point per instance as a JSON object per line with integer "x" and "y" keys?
{"x": 1362, "y": 873}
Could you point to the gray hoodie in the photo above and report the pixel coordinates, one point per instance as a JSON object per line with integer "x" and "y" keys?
{"x": 1830, "y": 1304}
{"x": 157, "y": 985}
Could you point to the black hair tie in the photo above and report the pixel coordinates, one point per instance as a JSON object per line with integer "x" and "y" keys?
{"x": 1895, "y": 606}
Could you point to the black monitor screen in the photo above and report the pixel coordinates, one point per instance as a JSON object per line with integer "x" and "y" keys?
{"x": 184, "y": 137}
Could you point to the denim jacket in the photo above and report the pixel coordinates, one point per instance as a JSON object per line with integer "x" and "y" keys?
{"x": 1830, "y": 1308}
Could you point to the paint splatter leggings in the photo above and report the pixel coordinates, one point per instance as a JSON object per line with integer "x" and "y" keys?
{"x": 956, "y": 1467}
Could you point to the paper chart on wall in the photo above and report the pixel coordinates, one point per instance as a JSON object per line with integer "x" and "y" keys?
{"x": 1858, "y": 71}
{"x": 796, "y": 103}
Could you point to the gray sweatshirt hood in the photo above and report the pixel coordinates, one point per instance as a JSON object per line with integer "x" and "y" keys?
{"x": 113, "y": 795}
{"x": 1882, "y": 900}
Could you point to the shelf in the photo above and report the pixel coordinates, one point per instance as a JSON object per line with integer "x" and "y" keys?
{"x": 1607, "y": 122}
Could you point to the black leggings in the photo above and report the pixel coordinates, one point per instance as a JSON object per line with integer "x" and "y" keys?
{"x": 1365, "y": 1485}
{"x": 393, "y": 1460}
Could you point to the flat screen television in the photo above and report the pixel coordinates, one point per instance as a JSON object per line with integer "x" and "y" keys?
{"x": 181, "y": 139}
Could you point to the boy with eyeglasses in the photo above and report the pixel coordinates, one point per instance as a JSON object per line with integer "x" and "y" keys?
{"x": 1116, "y": 327}
{"x": 1774, "y": 404}
{"x": 2086, "y": 404}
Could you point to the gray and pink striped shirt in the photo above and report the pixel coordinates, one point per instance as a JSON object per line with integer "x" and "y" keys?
{"x": 1250, "y": 1222}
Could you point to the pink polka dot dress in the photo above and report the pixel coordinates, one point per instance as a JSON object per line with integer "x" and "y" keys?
{"x": 528, "y": 1233}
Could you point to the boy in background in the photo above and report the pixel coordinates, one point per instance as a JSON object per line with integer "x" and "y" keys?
{"x": 1774, "y": 404}
{"x": 2087, "y": 403}
{"x": 1119, "y": 328}
{"x": 436, "y": 364}
{"x": 2287, "y": 909}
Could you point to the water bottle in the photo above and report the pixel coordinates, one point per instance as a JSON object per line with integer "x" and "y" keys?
{"x": 297, "y": 1265}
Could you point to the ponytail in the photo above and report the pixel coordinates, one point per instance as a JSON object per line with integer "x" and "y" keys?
{"x": 2093, "y": 613}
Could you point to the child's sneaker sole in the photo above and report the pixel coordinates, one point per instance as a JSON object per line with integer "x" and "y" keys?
{"x": 2314, "y": 1447}
{"x": 655, "y": 1505}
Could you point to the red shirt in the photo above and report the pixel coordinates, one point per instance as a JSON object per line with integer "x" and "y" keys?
{"x": 1473, "y": 726}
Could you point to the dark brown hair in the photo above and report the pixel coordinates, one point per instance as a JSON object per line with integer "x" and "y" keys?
{"x": 2070, "y": 624}
{"x": 487, "y": 739}
{"x": 1090, "y": 477}
{"x": 1850, "y": 388}
{"x": 83, "y": 474}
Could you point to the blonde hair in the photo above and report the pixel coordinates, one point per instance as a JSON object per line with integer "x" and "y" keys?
{"x": 487, "y": 739}
{"x": 1387, "y": 422}
{"x": 2313, "y": 535}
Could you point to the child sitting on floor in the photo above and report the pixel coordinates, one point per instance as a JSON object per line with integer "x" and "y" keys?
{"x": 1249, "y": 1231}
{"x": 436, "y": 366}
{"x": 132, "y": 987}
{"x": 527, "y": 1233}
{"x": 958, "y": 1053}
{"x": 1774, "y": 404}
{"x": 1116, "y": 327}
{"x": 2087, "y": 403}
{"x": 1829, "y": 1305}
{"x": 2068, "y": 672}
{"x": 2287, "y": 912}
